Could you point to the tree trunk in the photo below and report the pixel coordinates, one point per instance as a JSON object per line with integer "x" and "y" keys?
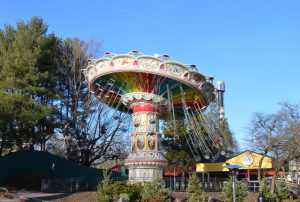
{"x": 43, "y": 145}
{"x": 31, "y": 144}
{"x": 87, "y": 158}
{"x": 259, "y": 168}
{"x": 273, "y": 184}
{"x": 274, "y": 179}
{"x": 297, "y": 170}
{"x": 68, "y": 151}
{"x": 31, "y": 147}
{"x": 283, "y": 170}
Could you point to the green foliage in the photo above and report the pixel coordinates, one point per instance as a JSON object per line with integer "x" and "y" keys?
{"x": 155, "y": 192}
{"x": 241, "y": 191}
{"x": 133, "y": 190}
{"x": 104, "y": 190}
{"x": 265, "y": 188}
{"x": 282, "y": 189}
{"x": 43, "y": 93}
{"x": 118, "y": 188}
{"x": 194, "y": 190}
{"x": 27, "y": 82}
{"x": 149, "y": 192}
{"x": 213, "y": 113}
{"x": 176, "y": 147}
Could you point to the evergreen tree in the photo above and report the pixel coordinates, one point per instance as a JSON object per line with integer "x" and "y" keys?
{"x": 43, "y": 92}
{"x": 105, "y": 190}
{"x": 240, "y": 188}
{"x": 154, "y": 191}
{"x": 194, "y": 190}
{"x": 265, "y": 188}
{"x": 27, "y": 82}
{"x": 282, "y": 189}
{"x": 175, "y": 145}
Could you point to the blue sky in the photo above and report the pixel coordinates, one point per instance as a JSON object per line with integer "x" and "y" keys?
{"x": 254, "y": 46}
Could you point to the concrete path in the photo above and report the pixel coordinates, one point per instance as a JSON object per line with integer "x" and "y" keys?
{"x": 6, "y": 200}
{"x": 29, "y": 196}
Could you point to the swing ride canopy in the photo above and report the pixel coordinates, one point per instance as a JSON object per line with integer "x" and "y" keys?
{"x": 156, "y": 87}
{"x": 134, "y": 76}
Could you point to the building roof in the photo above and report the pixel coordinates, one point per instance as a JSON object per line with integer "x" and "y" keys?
{"x": 248, "y": 159}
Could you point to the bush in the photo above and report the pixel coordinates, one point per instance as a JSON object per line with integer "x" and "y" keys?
{"x": 241, "y": 191}
{"x": 155, "y": 192}
{"x": 194, "y": 190}
{"x": 118, "y": 188}
{"x": 104, "y": 190}
{"x": 149, "y": 192}
{"x": 282, "y": 189}
{"x": 133, "y": 190}
{"x": 265, "y": 188}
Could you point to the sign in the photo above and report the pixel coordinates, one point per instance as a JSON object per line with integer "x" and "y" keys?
{"x": 247, "y": 160}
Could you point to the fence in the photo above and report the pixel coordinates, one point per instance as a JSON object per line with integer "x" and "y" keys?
{"x": 178, "y": 184}
{"x": 181, "y": 183}
{"x": 69, "y": 185}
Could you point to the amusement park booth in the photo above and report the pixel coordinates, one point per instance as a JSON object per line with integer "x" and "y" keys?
{"x": 248, "y": 159}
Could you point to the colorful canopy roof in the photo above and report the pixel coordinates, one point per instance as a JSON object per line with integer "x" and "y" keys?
{"x": 115, "y": 75}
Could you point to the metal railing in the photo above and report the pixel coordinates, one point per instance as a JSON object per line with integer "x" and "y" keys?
{"x": 69, "y": 185}
{"x": 178, "y": 184}
{"x": 181, "y": 184}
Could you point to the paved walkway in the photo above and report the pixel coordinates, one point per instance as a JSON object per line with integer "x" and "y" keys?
{"x": 6, "y": 200}
{"x": 28, "y": 196}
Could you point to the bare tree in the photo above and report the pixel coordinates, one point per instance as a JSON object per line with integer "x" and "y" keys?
{"x": 263, "y": 131}
{"x": 91, "y": 130}
{"x": 290, "y": 117}
{"x": 105, "y": 135}
{"x": 277, "y": 135}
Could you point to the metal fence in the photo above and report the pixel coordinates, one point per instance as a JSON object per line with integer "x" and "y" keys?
{"x": 178, "y": 184}
{"x": 181, "y": 183}
{"x": 69, "y": 185}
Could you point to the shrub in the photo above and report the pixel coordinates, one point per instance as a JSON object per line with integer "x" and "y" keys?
{"x": 118, "y": 188}
{"x": 155, "y": 192}
{"x": 135, "y": 191}
{"x": 282, "y": 189}
{"x": 194, "y": 190}
{"x": 265, "y": 188}
{"x": 104, "y": 190}
{"x": 241, "y": 191}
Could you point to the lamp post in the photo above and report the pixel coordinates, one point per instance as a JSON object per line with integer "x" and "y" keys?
{"x": 233, "y": 171}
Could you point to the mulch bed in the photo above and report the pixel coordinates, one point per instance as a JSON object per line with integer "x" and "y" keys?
{"x": 89, "y": 197}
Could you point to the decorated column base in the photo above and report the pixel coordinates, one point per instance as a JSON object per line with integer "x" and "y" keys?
{"x": 145, "y": 166}
{"x": 145, "y": 161}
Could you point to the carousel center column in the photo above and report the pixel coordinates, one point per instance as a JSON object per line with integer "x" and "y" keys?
{"x": 145, "y": 161}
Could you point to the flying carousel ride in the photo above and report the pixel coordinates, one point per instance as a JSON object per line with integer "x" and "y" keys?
{"x": 153, "y": 88}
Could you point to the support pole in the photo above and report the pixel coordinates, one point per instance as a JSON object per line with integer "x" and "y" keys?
{"x": 220, "y": 87}
{"x": 174, "y": 180}
{"x": 208, "y": 181}
{"x": 233, "y": 189}
{"x": 249, "y": 179}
